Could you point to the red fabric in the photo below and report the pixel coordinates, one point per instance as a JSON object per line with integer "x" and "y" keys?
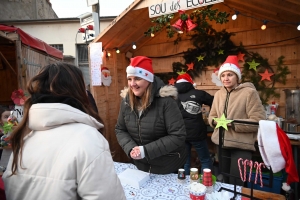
{"x": 33, "y": 42}
{"x": 286, "y": 151}
{"x": 186, "y": 77}
{"x": 2, "y": 191}
{"x": 142, "y": 62}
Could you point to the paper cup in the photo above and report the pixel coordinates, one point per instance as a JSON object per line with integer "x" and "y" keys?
{"x": 207, "y": 177}
{"x": 197, "y": 191}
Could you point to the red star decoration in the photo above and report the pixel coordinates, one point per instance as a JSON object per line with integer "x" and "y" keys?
{"x": 241, "y": 56}
{"x": 266, "y": 75}
{"x": 190, "y": 66}
{"x": 172, "y": 81}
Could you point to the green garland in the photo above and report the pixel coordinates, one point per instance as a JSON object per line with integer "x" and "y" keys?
{"x": 212, "y": 47}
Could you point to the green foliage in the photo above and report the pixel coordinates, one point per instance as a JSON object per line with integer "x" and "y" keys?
{"x": 266, "y": 89}
{"x": 7, "y": 127}
{"x": 214, "y": 47}
{"x": 199, "y": 16}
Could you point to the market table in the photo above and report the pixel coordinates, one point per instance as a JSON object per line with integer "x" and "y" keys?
{"x": 167, "y": 187}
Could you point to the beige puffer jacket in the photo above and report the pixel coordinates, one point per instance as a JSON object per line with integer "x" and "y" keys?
{"x": 243, "y": 104}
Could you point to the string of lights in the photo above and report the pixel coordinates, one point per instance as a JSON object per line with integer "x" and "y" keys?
{"x": 264, "y": 21}
{"x": 117, "y": 49}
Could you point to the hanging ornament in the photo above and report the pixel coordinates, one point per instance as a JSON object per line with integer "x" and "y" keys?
{"x": 190, "y": 66}
{"x": 241, "y": 56}
{"x": 184, "y": 22}
{"x": 172, "y": 81}
{"x": 266, "y": 75}
{"x": 190, "y": 25}
{"x": 221, "y": 51}
{"x": 200, "y": 58}
{"x": 253, "y": 65}
{"x": 222, "y": 122}
{"x": 178, "y": 25}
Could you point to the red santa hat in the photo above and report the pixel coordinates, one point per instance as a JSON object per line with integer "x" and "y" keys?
{"x": 185, "y": 78}
{"x": 104, "y": 69}
{"x": 231, "y": 64}
{"x": 276, "y": 152}
{"x": 141, "y": 66}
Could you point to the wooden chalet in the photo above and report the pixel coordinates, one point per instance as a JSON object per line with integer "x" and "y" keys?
{"x": 279, "y": 39}
{"x": 21, "y": 57}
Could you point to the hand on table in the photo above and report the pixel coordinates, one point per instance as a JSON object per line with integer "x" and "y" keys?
{"x": 135, "y": 153}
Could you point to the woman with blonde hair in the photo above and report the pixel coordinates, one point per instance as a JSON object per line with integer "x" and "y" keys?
{"x": 64, "y": 156}
{"x": 150, "y": 127}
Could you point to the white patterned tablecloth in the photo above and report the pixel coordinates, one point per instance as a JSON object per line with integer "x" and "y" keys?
{"x": 162, "y": 187}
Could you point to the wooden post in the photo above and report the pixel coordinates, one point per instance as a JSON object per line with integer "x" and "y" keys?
{"x": 21, "y": 79}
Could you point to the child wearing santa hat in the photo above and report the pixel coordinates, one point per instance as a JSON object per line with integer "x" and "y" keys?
{"x": 192, "y": 101}
{"x": 150, "y": 128}
{"x": 237, "y": 101}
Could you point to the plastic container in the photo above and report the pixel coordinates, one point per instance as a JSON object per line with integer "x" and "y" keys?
{"x": 197, "y": 191}
{"x": 277, "y": 182}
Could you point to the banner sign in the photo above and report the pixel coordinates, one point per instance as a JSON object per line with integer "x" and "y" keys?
{"x": 172, "y": 6}
{"x": 96, "y": 62}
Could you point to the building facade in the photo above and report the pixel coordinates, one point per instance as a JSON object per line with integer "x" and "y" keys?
{"x": 26, "y": 10}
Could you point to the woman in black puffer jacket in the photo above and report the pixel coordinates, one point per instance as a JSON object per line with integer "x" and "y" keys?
{"x": 150, "y": 127}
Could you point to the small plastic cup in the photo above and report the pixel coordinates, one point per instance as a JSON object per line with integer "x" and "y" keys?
{"x": 194, "y": 175}
{"x": 207, "y": 177}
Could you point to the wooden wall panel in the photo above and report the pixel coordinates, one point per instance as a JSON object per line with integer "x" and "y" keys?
{"x": 108, "y": 101}
{"x": 8, "y": 79}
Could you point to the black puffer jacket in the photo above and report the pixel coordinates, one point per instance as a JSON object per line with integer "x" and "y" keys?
{"x": 160, "y": 129}
{"x": 192, "y": 100}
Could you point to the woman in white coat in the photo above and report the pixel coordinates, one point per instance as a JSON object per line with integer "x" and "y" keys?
{"x": 64, "y": 156}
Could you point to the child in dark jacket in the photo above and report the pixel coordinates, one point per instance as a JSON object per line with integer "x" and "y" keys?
{"x": 192, "y": 101}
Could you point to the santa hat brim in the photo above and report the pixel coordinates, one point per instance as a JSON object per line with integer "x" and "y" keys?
{"x": 275, "y": 149}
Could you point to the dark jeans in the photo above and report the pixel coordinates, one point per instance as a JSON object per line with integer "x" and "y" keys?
{"x": 203, "y": 155}
{"x": 229, "y": 161}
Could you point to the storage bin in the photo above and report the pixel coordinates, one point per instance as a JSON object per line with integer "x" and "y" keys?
{"x": 277, "y": 182}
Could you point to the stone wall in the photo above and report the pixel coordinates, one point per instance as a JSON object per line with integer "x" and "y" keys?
{"x": 26, "y": 9}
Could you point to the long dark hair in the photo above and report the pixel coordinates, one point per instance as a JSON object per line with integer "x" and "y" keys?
{"x": 57, "y": 80}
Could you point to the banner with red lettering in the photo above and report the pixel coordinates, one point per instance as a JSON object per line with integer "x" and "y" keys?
{"x": 172, "y": 6}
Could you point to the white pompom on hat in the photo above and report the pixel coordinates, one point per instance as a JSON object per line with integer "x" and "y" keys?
{"x": 231, "y": 64}
{"x": 276, "y": 150}
{"x": 185, "y": 78}
{"x": 141, "y": 66}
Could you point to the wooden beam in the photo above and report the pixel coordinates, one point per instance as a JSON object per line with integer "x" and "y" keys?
{"x": 297, "y": 2}
{"x": 7, "y": 63}
{"x": 118, "y": 18}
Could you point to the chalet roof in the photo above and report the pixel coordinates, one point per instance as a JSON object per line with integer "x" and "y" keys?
{"x": 32, "y": 41}
{"x": 131, "y": 24}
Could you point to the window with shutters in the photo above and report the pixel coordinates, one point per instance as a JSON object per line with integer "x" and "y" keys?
{"x": 83, "y": 61}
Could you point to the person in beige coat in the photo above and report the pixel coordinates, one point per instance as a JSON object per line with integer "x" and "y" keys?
{"x": 238, "y": 101}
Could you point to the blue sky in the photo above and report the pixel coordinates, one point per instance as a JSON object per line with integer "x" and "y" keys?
{"x": 74, "y": 8}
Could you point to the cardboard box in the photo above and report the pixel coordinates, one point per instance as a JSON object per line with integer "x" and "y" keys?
{"x": 134, "y": 178}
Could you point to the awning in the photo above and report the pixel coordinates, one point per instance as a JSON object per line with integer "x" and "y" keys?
{"x": 33, "y": 42}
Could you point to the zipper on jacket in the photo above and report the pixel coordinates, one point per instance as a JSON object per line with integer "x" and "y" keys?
{"x": 139, "y": 131}
{"x": 226, "y": 102}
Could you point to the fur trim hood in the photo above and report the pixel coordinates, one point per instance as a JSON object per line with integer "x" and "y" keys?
{"x": 159, "y": 88}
